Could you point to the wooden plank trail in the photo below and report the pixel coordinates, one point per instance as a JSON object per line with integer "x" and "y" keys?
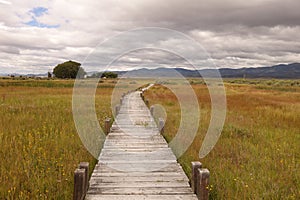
{"x": 136, "y": 162}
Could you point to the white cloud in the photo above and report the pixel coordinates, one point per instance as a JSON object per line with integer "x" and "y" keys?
{"x": 5, "y": 2}
{"x": 236, "y": 33}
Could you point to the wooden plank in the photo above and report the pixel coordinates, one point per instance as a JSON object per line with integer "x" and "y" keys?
{"x": 130, "y": 158}
{"x": 135, "y": 141}
{"x": 137, "y": 162}
{"x": 112, "y": 179}
{"x": 164, "y": 154}
{"x": 153, "y": 169}
{"x": 140, "y": 190}
{"x": 137, "y": 150}
{"x": 142, "y": 197}
{"x": 134, "y": 146}
{"x": 95, "y": 183}
{"x": 137, "y": 174}
{"x": 133, "y": 136}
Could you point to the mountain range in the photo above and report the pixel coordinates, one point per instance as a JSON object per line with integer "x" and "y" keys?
{"x": 282, "y": 71}
{"x": 289, "y": 71}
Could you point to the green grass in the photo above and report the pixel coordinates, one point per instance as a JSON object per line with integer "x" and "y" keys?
{"x": 257, "y": 155}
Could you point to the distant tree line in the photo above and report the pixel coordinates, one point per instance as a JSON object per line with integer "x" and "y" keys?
{"x": 104, "y": 75}
{"x": 72, "y": 69}
{"x": 109, "y": 75}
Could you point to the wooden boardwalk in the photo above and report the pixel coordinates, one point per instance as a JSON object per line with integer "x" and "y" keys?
{"x": 136, "y": 162}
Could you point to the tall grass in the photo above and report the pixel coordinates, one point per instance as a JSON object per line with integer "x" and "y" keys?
{"x": 257, "y": 155}
{"x": 40, "y": 148}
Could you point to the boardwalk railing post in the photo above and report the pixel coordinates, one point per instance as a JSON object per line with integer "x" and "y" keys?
{"x": 107, "y": 125}
{"x": 117, "y": 109}
{"x": 85, "y": 166}
{"x": 161, "y": 124}
{"x": 152, "y": 110}
{"x": 79, "y": 179}
{"x": 203, "y": 184}
{"x": 142, "y": 96}
{"x": 194, "y": 182}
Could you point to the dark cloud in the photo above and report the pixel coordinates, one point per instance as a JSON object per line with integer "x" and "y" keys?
{"x": 215, "y": 14}
{"x": 9, "y": 50}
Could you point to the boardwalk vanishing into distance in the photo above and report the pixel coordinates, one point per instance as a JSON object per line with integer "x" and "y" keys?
{"x": 136, "y": 162}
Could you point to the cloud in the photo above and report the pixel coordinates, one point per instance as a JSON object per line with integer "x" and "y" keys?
{"x": 36, "y": 36}
{"x": 5, "y": 2}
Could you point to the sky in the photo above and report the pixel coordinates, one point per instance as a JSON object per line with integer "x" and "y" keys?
{"x": 36, "y": 35}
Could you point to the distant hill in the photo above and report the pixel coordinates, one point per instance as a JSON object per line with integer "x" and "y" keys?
{"x": 26, "y": 75}
{"x": 282, "y": 71}
{"x": 159, "y": 72}
{"x": 290, "y": 71}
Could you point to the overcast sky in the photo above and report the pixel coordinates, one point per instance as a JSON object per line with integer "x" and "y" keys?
{"x": 36, "y": 35}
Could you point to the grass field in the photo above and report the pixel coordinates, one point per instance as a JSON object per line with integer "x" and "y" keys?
{"x": 257, "y": 155}
{"x": 40, "y": 148}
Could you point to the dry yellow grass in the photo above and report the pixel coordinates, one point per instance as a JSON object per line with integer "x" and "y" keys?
{"x": 257, "y": 155}
{"x": 40, "y": 148}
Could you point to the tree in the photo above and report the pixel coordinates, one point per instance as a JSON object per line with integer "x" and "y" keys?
{"x": 69, "y": 69}
{"x": 49, "y": 75}
{"x": 95, "y": 75}
{"x": 109, "y": 75}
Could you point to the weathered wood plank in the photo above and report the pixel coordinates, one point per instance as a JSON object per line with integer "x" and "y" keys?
{"x": 142, "y": 197}
{"x": 140, "y": 190}
{"x": 137, "y": 150}
{"x": 136, "y": 145}
{"x": 95, "y": 183}
{"x": 137, "y": 174}
{"x": 165, "y": 178}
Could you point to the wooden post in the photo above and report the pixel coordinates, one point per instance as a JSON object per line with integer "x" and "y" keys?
{"x": 107, "y": 125}
{"x": 194, "y": 182}
{"x": 85, "y": 166}
{"x": 117, "y": 109}
{"x": 152, "y": 110}
{"x": 203, "y": 184}
{"x": 161, "y": 125}
{"x": 79, "y": 179}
